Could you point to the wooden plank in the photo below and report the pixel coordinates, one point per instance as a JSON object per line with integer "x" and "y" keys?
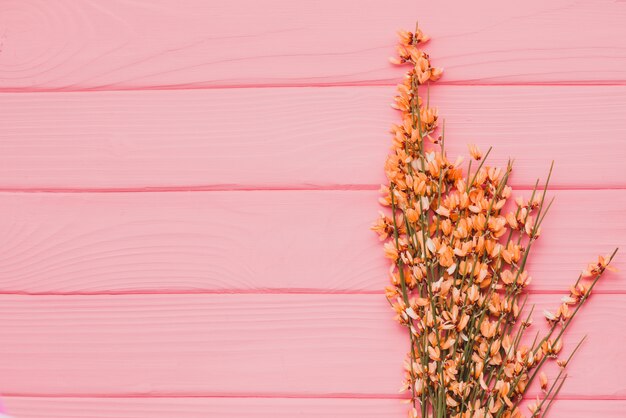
{"x": 264, "y": 241}
{"x": 30, "y": 407}
{"x": 228, "y": 345}
{"x": 69, "y": 45}
{"x": 297, "y": 137}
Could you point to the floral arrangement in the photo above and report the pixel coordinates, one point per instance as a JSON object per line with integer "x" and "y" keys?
{"x": 458, "y": 253}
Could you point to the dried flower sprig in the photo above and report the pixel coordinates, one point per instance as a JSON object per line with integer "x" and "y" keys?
{"x": 458, "y": 275}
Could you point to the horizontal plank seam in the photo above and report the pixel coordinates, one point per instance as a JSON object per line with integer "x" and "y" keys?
{"x": 368, "y": 83}
{"x": 253, "y": 188}
{"x": 265, "y": 396}
{"x": 281, "y": 291}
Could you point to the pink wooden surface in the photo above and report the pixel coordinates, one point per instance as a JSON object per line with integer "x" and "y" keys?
{"x": 117, "y": 44}
{"x": 253, "y": 241}
{"x": 197, "y": 244}
{"x": 279, "y": 345}
{"x": 297, "y": 137}
{"x": 29, "y": 407}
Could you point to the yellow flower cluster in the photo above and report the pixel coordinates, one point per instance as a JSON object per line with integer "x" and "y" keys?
{"x": 457, "y": 273}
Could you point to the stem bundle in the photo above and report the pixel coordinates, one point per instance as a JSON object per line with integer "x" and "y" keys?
{"x": 458, "y": 274}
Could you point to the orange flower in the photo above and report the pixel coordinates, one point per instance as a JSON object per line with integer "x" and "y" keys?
{"x": 596, "y": 269}
{"x": 475, "y": 152}
{"x": 551, "y": 317}
{"x": 383, "y": 226}
{"x": 543, "y": 380}
{"x": 510, "y": 219}
{"x": 408, "y": 38}
{"x": 563, "y": 313}
{"x": 551, "y": 348}
{"x": 391, "y": 252}
{"x": 535, "y": 408}
{"x": 419, "y": 37}
{"x": 579, "y": 291}
{"x": 435, "y": 74}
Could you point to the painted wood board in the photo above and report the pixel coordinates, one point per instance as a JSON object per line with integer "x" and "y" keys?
{"x": 70, "y": 45}
{"x": 261, "y": 241}
{"x": 31, "y": 407}
{"x": 304, "y": 334}
{"x": 235, "y": 345}
{"x": 297, "y": 137}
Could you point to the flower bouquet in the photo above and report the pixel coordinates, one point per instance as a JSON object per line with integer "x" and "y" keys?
{"x": 459, "y": 246}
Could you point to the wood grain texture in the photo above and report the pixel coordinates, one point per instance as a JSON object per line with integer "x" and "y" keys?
{"x": 70, "y": 45}
{"x": 297, "y": 137}
{"x": 31, "y": 407}
{"x": 237, "y": 293}
{"x": 263, "y": 241}
{"x": 286, "y": 345}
